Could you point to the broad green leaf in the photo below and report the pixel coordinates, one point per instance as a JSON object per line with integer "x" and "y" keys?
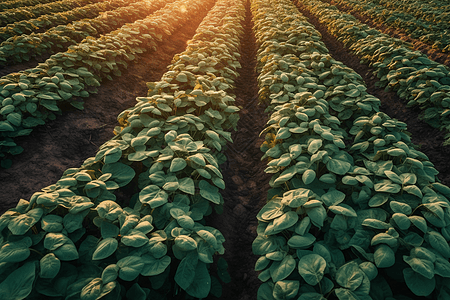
{"x": 49, "y": 266}
{"x": 187, "y": 185}
{"x": 384, "y": 256}
{"x": 338, "y": 166}
{"x": 136, "y": 293}
{"x": 438, "y": 242}
{"x": 105, "y": 248}
{"x": 419, "y": 222}
{"x": 314, "y": 146}
{"x": 311, "y": 267}
{"x": 378, "y": 199}
{"x": 264, "y": 244}
{"x": 270, "y": 211}
{"x": 265, "y": 291}
{"x": 52, "y": 223}
{"x": 301, "y": 241}
{"x": 281, "y": 223}
{"x": 369, "y": 269}
{"x": 401, "y": 220}
{"x": 155, "y": 266}
{"x": 201, "y": 284}
{"x": 92, "y": 290}
{"x": 333, "y": 197}
{"x": 317, "y": 215}
{"x": 134, "y": 238}
{"x": 153, "y": 196}
{"x": 186, "y": 270}
{"x": 285, "y": 268}
{"x": 19, "y": 284}
{"x": 349, "y": 276}
{"x": 21, "y": 224}
{"x": 110, "y": 273}
{"x": 295, "y": 198}
{"x": 418, "y": 284}
{"x": 286, "y": 289}
{"x": 421, "y": 266}
{"x": 177, "y": 164}
{"x": 311, "y": 296}
{"x": 387, "y": 187}
{"x": 185, "y": 242}
{"x": 442, "y": 267}
{"x": 394, "y": 177}
{"x": 414, "y": 190}
{"x": 399, "y": 207}
{"x": 130, "y": 267}
{"x": 16, "y": 251}
{"x": 345, "y": 294}
{"x": 109, "y": 230}
{"x": 122, "y": 174}
{"x": 209, "y": 192}
{"x": 109, "y": 210}
{"x": 262, "y": 263}
{"x": 376, "y": 224}
{"x": 384, "y": 238}
{"x": 343, "y": 209}
{"x": 308, "y": 176}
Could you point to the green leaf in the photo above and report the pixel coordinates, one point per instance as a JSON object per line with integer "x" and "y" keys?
{"x": 311, "y": 296}
{"x": 16, "y": 251}
{"x": 343, "y": 209}
{"x": 314, "y": 146}
{"x": 333, "y": 197}
{"x": 154, "y": 266}
{"x": 122, "y": 174}
{"x": 130, "y": 267}
{"x": 105, "y": 248}
{"x": 61, "y": 246}
{"x": 338, "y": 166}
{"x": 110, "y": 273}
{"x": 344, "y": 294}
{"x": 414, "y": 190}
{"x": 317, "y": 215}
{"x": 49, "y": 266}
{"x": 201, "y": 284}
{"x": 419, "y": 222}
{"x": 52, "y": 223}
{"x": 421, "y": 266}
{"x": 109, "y": 210}
{"x": 349, "y": 276}
{"x": 209, "y": 192}
{"x": 136, "y": 293}
{"x": 301, "y": 241}
{"x": 312, "y": 267}
{"x": 378, "y": 199}
{"x": 369, "y": 269}
{"x": 401, "y": 220}
{"x": 264, "y": 244}
{"x": 19, "y": 283}
{"x": 177, "y": 164}
{"x": 308, "y": 176}
{"x": 109, "y": 230}
{"x": 286, "y": 289}
{"x": 438, "y": 242}
{"x": 186, "y": 270}
{"x": 153, "y": 196}
{"x": 284, "y": 269}
{"x": 418, "y": 284}
{"x": 134, "y": 238}
{"x": 92, "y": 290}
{"x": 186, "y": 243}
{"x": 21, "y": 224}
{"x": 387, "y": 187}
{"x": 281, "y": 223}
{"x": 384, "y": 256}
{"x": 187, "y": 185}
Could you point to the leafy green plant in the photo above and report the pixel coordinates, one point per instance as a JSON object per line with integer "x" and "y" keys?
{"x": 344, "y": 219}
{"x": 77, "y": 240}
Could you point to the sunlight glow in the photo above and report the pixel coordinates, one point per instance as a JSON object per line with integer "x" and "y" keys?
{"x": 183, "y": 8}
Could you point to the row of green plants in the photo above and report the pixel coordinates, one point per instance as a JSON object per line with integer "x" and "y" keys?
{"x": 354, "y": 210}
{"x": 29, "y": 98}
{"x": 24, "y": 47}
{"x": 21, "y": 3}
{"x": 435, "y": 33}
{"x": 76, "y": 240}
{"x": 48, "y": 21}
{"x": 411, "y": 74}
{"x": 432, "y": 11}
{"x": 25, "y": 13}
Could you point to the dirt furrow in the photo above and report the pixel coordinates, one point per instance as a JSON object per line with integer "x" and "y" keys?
{"x": 76, "y": 135}
{"x": 246, "y": 182}
{"x": 428, "y": 139}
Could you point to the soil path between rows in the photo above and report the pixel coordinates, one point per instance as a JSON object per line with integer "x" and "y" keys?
{"x": 428, "y": 139}
{"x": 246, "y": 183}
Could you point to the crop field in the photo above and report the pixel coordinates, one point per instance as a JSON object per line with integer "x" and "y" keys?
{"x": 225, "y": 149}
